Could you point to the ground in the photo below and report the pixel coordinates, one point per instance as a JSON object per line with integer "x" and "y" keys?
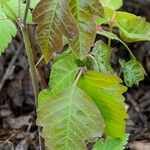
{"x": 17, "y": 110}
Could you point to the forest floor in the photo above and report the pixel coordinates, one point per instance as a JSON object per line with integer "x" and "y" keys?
{"x": 17, "y": 111}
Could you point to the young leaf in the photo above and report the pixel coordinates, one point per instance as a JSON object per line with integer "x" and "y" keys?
{"x": 101, "y": 58}
{"x": 132, "y": 28}
{"x": 69, "y": 119}
{"x": 112, "y": 143}
{"x": 111, "y": 35}
{"x": 63, "y": 73}
{"x": 133, "y": 72}
{"x": 85, "y": 12}
{"x": 54, "y": 20}
{"x": 113, "y": 4}
{"x": 7, "y": 31}
{"x": 106, "y": 91}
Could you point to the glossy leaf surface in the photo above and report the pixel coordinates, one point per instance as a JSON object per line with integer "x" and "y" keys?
{"x": 54, "y": 19}
{"x": 70, "y": 118}
{"x": 85, "y": 12}
{"x": 106, "y": 91}
{"x": 132, "y": 28}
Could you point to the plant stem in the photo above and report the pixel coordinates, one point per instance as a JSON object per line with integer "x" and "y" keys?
{"x": 111, "y": 28}
{"x": 31, "y": 62}
{"x": 82, "y": 70}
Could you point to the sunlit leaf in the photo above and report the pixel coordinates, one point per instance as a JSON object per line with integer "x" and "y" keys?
{"x": 54, "y": 19}
{"x": 106, "y": 91}
{"x": 11, "y": 10}
{"x": 33, "y": 3}
{"x": 69, "y": 119}
{"x": 63, "y": 73}
{"x": 112, "y": 143}
{"x": 133, "y": 72}
{"x": 132, "y": 28}
{"x": 101, "y": 58}
{"x": 85, "y": 12}
{"x": 7, "y": 31}
{"x": 113, "y": 4}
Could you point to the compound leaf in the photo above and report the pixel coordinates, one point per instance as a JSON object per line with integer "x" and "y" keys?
{"x": 54, "y": 19}
{"x": 113, "y": 4}
{"x": 133, "y": 72}
{"x": 106, "y": 91}
{"x": 112, "y": 143}
{"x": 101, "y": 58}
{"x": 85, "y": 12}
{"x": 69, "y": 119}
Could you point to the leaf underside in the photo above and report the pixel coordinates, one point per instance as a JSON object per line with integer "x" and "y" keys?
{"x": 70, "y": 119}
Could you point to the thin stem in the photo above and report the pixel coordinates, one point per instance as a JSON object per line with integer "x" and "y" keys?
{"x": 19, "y": 9}
{"x": 30, "y": 56}
{"x": 26, "y": 11}
{"x": 31, "y": 62}
{"x": 111, "y": 28}
{"x": 82, "y": 70}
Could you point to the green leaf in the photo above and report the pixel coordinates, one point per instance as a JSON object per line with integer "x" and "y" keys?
{"x": 85, "y": 12}
{"x": 112, "y": 143}
{"x": 113, "y": 4}
{"x": 33, "y": 3}
{"x": 101, "y": 58}
{"x": 69, "y": 119}
{"x": 63, "y": 73}
{"x": 107, "y": 16}
{"x": 54, "y": 19}
{"x": 7, "y": 31}
{"x": 133, "y": 72}
{"x": 113, "y": 36}
{"x": 132, "y": 28}
{"x": 106, "y": 91}
{"x": 11, "y": 10}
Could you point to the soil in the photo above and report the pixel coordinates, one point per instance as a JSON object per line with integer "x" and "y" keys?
{"x": 17, "y": 110}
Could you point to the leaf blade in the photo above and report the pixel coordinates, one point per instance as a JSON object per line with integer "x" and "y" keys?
{"x": 55, "y": 21}
{"x": 106, "y": 91}
{"x": 70, "y": 118}
{"x": 85, "y": 12}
